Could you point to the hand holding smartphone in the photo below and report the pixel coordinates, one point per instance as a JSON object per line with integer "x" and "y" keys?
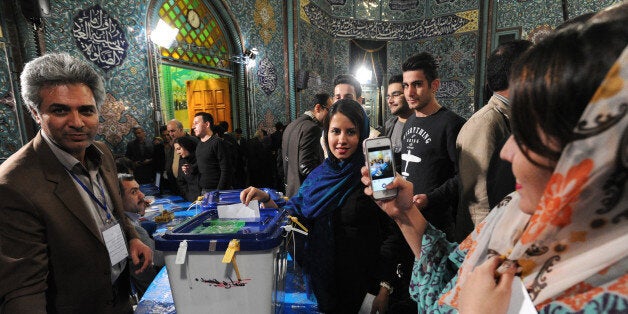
{"x": 379, "y": 159}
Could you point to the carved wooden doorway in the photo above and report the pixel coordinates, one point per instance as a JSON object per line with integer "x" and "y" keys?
{"x": 211, "y": 96}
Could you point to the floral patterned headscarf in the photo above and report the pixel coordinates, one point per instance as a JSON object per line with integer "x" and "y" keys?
{"x": 575, "y": 245}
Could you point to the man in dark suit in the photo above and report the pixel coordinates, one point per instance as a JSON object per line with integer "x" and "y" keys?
{"x": 141, "y": 152}
{"x": 62, "y": 228}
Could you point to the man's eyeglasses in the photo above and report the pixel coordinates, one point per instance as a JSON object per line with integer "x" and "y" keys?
{"x": 394, "y": 95}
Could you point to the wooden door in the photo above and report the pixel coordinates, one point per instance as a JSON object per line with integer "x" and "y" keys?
{"x": 211, "y": 96}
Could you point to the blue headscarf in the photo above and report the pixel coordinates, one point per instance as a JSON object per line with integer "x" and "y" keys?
{"x": 328, "y": 185}
{"x": 326, "y": 189}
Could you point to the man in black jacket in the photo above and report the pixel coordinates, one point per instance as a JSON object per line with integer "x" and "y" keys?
{"x": 211, "y": 155}
{"x": 301, "y": 147}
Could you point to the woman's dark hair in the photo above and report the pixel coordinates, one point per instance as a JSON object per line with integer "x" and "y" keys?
{"x": 552, "y": 83}
{"x": 352, "y": 110}
{"x": 188, "y": 143}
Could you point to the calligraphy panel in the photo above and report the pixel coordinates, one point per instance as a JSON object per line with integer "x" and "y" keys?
{"x": 384, "y": 30}
{"x": 100, "y": 37}
{"x": 267, "y": 76}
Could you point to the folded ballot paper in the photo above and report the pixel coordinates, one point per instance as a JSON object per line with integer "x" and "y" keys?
{"x": 239, "y": 210}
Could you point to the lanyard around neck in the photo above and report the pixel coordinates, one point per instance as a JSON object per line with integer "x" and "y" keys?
{"x": 89, "y": 192}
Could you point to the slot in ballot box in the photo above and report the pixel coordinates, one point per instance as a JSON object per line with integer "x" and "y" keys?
{"x": 226, "y": 265}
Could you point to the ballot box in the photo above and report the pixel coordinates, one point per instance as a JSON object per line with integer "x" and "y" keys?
{"x": 219, "y": 265}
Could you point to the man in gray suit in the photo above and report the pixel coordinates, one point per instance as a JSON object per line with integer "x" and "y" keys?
{"x": 301, "y": 147}
{"x": 62, "y": 226}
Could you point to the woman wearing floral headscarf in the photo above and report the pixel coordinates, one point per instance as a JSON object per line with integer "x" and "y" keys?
{"x": 564, "y": 231}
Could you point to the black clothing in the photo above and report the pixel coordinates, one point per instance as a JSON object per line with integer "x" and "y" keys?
{"x": 259, "y": 163}
{"x": 188, "y": 183}
{"x": 364, "y": 249}
{"x": 430, "y": 162}
{"x": 499, "y": 179}
{"x": 240, "y": 164}
{"x": 213, "y": 164}
{"x": 171, "y": 181}
{"x": 230, "y": 144}
{"x": 276, "y": 150}
{"x": 142, "y": 156}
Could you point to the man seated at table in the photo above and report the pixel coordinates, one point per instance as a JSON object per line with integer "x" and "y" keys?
{"x": 134, "y": 207}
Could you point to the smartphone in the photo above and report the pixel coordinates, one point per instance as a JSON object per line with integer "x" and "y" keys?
{"x": 379, "y": 159}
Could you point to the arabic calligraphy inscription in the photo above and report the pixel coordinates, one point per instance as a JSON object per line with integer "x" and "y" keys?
{"x": 384, "y": 30}
{"x": 267, "y": 76}
{"x": 100, "y": 37}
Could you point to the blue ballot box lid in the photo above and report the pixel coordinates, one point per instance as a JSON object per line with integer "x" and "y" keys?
{"x": 254, "y": 234}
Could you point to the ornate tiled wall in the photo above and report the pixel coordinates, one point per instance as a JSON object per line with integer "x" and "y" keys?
{"x": 446, "y": 28}
{"x": 126, "y": 75}
{"x": 12, "y": 132}
{"x": 537, "y": 18}
{"x": 314, "y": 46}
{"x": 261, "y": 23}
{"x": 457, "y": 60}
{"x": 10, "y": 139}
{"x": 575, "y": 8}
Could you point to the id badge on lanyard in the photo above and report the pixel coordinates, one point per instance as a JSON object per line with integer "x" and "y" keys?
{"x": 112, "y": 232}
{"x": 115, "y": 242}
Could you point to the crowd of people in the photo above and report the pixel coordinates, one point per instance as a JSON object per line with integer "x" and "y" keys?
{"x": 553, "y": 241}
{"x": 227, "y": 160}
{"x": 524, "y": 203}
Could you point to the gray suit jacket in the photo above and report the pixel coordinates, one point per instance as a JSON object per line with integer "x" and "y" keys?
{"x": 48, "y": 236}
{"x": 302, "y": 151}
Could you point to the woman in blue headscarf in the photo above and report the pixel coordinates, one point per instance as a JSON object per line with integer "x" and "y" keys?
{"x": 350, "y": 246}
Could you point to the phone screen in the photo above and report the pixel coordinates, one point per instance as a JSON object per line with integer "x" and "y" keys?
{"x": 381, "y": 167}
